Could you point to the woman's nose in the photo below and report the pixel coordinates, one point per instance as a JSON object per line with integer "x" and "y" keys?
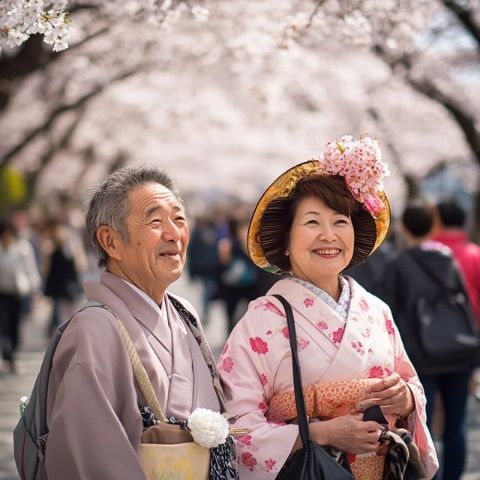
{"x": 326, "y": 233}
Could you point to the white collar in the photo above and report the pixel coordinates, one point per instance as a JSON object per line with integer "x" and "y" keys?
{"x": 147, "y": 298}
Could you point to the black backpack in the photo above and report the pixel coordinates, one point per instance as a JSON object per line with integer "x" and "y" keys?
{"x": 436, "y": 321}
{"x": 30, "y": 434}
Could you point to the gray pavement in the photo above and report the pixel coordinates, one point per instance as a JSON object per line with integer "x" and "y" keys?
{"x": 12, "y": 387}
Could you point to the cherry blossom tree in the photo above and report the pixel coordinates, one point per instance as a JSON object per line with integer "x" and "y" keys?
{"x": 234, "y": 91}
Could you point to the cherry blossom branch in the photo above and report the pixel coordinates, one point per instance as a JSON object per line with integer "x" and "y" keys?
{"x": 466, "y": 17}
{"x": 59, "y": 111}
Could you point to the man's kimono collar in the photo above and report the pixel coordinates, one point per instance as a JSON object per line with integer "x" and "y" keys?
{"x": 126, "y": 297}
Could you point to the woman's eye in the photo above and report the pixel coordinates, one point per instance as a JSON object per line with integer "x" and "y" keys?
{"x": 342, "y": 221}
{"x": 311, "y": 222}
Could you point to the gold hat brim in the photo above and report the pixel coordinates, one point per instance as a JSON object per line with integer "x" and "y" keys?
{"x": 282, "y": 187}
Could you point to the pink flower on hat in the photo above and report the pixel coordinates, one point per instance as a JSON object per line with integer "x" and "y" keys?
{"x": 360, "y": 163}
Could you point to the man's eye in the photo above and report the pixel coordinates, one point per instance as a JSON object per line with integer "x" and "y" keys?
{"x": 156, "y": 221}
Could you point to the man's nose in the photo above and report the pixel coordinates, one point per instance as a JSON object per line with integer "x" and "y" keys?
{"x": 171, "y": 232}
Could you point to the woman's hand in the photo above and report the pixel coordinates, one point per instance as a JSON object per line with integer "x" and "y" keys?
{"x": 392, "y": 394}
{"x": 347, "y": 433}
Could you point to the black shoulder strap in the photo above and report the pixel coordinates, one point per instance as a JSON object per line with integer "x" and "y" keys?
{"x": 297, "y": 378}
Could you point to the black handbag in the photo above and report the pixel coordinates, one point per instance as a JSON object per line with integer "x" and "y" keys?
{"x": 312, "y": 461}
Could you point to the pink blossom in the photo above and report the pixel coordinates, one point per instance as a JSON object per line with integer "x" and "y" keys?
{"x": 373, "y": 205}
{"x": 364, "y": 304}
{"x": 338, "y": 335}
{"x": 269, "y": 307}
{"x": 248, "y": 460}
{"x": 375, "y": 372}
{"x": 303, "y": 343}
{"x": 270, "y": 464}
{"x": 389, "y": 327}
{"x": 358, "y": 346}
{"x": 227, "y": 364}
{"x": 258, "y": 345}
{"x": 263, "y": 379}
{"x": 360, "y": 163}
{"x": 263, "y": 407}
{"x": 246, "y": 440}
{"x": 308, "y": 302}
{"x": 322, "y": 325}
{"x": 285, "y": 332}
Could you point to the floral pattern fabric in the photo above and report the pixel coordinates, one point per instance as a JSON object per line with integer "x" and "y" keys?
{"x": 256, "y": 365}
{"x": 341, "y": 307}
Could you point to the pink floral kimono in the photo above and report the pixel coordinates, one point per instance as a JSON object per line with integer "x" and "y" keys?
{"x": 255, "y": 367}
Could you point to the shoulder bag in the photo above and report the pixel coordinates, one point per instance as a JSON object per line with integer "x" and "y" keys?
{"x": 312, "y": 461}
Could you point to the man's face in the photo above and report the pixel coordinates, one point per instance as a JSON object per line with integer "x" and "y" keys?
{"x": 158, "y": 236}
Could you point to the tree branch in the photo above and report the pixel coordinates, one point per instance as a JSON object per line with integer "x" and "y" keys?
{"x": 59, "y": 111}
{"x": 466, "y": 17}
{"x": 465, "y": 121}
{"x": 50, "y": 153}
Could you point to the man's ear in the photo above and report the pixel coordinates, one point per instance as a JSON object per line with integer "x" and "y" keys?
{"x": 111, "y": 241}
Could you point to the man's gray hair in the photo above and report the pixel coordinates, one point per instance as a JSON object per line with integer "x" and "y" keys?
{"x": 109, "y": 203}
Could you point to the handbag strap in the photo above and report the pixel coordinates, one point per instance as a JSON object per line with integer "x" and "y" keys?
{"x": 141, "y": 375}
{"x": 297, "y": 377}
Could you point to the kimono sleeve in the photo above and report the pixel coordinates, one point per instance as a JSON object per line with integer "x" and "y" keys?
{"x": 247, "y": 369}
{"x": 417, "y": 419}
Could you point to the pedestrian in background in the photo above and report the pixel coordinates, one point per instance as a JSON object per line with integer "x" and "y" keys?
{"x": 19, "y": 278}
{"x": 450, "y": 230}
{"x": 62, "y": 282}
{"x": 408, "y": 281}
{"x": 203, "y": 261}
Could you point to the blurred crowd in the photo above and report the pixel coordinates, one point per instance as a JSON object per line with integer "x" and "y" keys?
{"x": 47, "y": 259}
{"x": 217, "y": 258}
{"x": 38, "y": 258}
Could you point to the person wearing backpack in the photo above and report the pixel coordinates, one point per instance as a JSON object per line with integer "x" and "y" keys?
{"x": 424, "y": 289}
{"x": 95, "y": 409}
{"x": 451, "y": 232}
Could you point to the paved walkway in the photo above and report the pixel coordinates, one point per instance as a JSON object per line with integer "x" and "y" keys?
{"x": 12, "y": 387}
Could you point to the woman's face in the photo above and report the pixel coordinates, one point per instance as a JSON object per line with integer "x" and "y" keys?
{"x": 321, "y": 242}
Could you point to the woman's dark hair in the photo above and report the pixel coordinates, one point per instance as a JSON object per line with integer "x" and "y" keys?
{"x": 418, "y": 219}
{"x": 277, "y": 219}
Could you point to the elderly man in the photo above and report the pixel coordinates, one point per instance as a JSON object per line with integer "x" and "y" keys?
{"x": 138, "y": 227}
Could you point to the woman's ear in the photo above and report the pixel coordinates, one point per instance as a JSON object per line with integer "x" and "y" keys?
{"x": 111, "y": 241}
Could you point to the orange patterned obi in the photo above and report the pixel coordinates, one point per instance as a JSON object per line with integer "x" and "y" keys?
{"x": 330, "y": 400}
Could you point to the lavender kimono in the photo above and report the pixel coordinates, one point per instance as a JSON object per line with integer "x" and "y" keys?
{"x": 256, "y": 365}
{"x": 93, "y": 403}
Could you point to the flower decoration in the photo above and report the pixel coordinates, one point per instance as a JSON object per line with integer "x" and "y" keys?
{"x": 360, "y": 163}
{"x": 208, "y": 428}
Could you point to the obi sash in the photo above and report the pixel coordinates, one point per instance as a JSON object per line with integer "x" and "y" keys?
{"x": 326, "y": 401}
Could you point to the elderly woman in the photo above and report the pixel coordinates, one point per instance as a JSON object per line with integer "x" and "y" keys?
{"x": 313, "y": 222}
